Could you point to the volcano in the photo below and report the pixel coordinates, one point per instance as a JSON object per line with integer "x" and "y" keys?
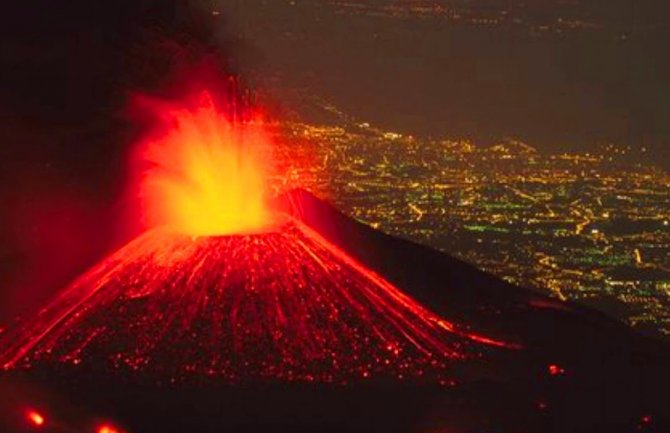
{"x": 239, "y": 308}
{"x": 179, "y": 331}
{"x": 224, "y": 285}
{"x": 281, "y": 304}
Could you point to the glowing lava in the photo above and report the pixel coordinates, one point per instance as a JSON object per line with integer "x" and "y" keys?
{"x": 222, "y": 288}
{"x": 204, "y": 168}
{"x": 282, "y": 304}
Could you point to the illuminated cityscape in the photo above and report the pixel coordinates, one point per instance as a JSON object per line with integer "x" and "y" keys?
{"x": 586, "y": 227}
{"x": 538, "y": 19}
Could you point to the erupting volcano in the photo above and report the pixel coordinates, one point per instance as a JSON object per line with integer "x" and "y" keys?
{"x": 203, "y": 169}
{"x": 222, "y": 285}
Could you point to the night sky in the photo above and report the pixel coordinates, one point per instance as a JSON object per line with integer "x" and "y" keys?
{"x": 433, "y": 77}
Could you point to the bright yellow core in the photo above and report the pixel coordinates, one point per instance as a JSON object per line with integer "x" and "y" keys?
{"x": 204, "y": 173}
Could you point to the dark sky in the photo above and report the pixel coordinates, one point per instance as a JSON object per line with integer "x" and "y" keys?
{"x": 557, "y": 91}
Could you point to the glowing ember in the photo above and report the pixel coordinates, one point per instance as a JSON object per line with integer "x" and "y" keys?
{"x": 107, "y": 428}
{"x": 555, "y": 370}
{"x": 283, "y": 304}
{"x": 35, "y": 418}
{"x": 204, "y": 168}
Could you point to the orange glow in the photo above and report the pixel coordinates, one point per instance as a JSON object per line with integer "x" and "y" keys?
{"x": 285, "y": 304}
{"x": 204, "y": 169}
{"x": 35, "y": 418}
{"x": 271, "y": 299}
{"x": 107, "y": 428}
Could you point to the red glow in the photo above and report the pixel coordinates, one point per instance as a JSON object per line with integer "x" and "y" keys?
{"x": 57, "y": 234}
{"x": 222, "y": 286}
{"x": 107, "y": 428}
{"x": 204, "y": 169}
{"x": 35, "y": 418}
{"x": 281, "y": 304}
{"x": 555, "y": 370}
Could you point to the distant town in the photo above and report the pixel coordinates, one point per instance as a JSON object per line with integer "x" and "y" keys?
{"x": 590, "y": 227}
{"x": 538, "y": 18}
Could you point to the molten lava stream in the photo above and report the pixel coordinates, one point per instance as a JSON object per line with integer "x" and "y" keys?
{"x": 223, "y": 287}
{"x": 280, "y": 304}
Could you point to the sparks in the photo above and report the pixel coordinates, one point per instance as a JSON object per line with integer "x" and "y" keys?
{"x": 203, "y": 169}
{"x": 220, "y": 286}
{"x": 285, "y": 304}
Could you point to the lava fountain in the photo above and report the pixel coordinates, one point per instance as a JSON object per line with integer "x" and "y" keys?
{"x": 222, "y": 287}
{"x": 203, "y": 169}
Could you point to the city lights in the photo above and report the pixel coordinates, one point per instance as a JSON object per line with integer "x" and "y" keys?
{"x": 574, "y": 225}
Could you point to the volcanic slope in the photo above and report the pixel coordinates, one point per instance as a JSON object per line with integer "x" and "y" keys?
{"x": 282, "y": 304}
{"x": 593, "y": 372}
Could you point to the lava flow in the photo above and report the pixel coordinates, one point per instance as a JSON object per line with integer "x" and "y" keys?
{"x": 222, "y": 286}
